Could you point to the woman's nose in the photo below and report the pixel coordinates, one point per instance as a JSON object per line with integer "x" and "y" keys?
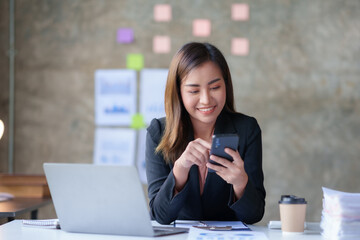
{"x": 204, "y": 97}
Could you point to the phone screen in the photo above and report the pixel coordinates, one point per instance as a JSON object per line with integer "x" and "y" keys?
{"x": 220, "y": 142}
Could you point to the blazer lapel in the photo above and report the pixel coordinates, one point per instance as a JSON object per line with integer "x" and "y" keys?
{"x": 224, "y": 124}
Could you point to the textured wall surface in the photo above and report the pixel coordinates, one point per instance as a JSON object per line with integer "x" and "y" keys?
{"x": 301, "y": 81}
{"x": 4, "y": 80}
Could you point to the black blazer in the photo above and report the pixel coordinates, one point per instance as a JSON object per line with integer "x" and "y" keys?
{"x": 216, "y": 202}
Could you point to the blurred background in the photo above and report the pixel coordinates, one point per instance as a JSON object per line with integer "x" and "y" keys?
{"x": 296, "y": 70}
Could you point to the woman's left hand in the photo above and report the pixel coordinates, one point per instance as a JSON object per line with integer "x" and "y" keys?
{"x": 232, "y": 172}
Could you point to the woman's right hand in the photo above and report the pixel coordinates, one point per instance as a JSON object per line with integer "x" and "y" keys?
{"x": 196, "y": 152}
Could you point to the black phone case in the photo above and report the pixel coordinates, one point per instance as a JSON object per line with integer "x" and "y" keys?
{"x": 220, "y": 142}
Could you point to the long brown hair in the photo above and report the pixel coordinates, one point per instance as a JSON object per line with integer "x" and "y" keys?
{"x": 178, "y": 124}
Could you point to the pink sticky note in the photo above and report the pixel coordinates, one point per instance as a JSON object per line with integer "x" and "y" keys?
{"x": 161, "y": 44}
{"x": 240, "y": 12}
{"x": 125, "y": 35}
{"x": 201, "y": 27}
{"x": 162, "y": 12}
{"x": 240, "y": 46}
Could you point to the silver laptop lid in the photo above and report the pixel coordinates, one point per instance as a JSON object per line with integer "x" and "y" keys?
{"x": 99, "y": 199}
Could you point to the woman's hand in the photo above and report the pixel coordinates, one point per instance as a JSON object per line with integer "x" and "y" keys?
{"x": 196, "y": 152}
{"x": 232, "y": 172}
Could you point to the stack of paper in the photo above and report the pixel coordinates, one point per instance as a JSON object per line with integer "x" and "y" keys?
{"x": 341, "y": 215}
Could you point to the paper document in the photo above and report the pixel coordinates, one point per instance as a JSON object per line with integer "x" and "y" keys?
{"x": 115, "y": 96}
{"x": 4, "y": 196}
{"x": 152, "y": 90}
{"x": 212, "y": 225}
{"x": 114, "y": 146}
{"x": 141, "y": 164}
{"x": 200, "y": 234}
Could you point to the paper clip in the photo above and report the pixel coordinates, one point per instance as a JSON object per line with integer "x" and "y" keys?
{"x": 213, "y": 228}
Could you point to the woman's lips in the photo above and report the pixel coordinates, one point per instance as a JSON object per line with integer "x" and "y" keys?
{"x": 207, "y": 110}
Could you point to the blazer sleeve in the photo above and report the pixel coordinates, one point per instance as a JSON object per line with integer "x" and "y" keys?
{"x": 164, "y": 207}
{"x": 250, "y": 207}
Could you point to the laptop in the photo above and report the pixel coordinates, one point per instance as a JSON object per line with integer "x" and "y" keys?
{"x": 101, "y": 199}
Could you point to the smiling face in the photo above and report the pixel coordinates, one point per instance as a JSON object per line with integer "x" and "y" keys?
{"x": 203, "y": 93}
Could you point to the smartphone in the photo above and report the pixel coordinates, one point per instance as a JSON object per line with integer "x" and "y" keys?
{"x": 219, "y": 143}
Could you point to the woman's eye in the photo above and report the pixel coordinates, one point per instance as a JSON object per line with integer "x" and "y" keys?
{"x": 193, "y": 92}
{"x": 214, "y": 88}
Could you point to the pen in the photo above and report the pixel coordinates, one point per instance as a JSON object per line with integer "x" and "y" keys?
{"x": 206, "y": 226}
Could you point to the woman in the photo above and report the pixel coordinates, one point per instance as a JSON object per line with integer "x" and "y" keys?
{"x": 199, "y": 102}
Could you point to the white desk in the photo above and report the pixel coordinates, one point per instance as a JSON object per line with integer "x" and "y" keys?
{"x": 15, "y": 231}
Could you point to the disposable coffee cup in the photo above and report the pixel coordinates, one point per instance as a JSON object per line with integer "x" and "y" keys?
{"x": 292, "y": 214}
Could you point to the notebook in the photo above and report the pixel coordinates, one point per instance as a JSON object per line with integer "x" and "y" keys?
{"x": 101, "y": 199}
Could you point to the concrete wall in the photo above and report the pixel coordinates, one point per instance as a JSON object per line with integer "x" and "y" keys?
{"x": 4, "y": 80}
{"x": 301, "y": 81}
